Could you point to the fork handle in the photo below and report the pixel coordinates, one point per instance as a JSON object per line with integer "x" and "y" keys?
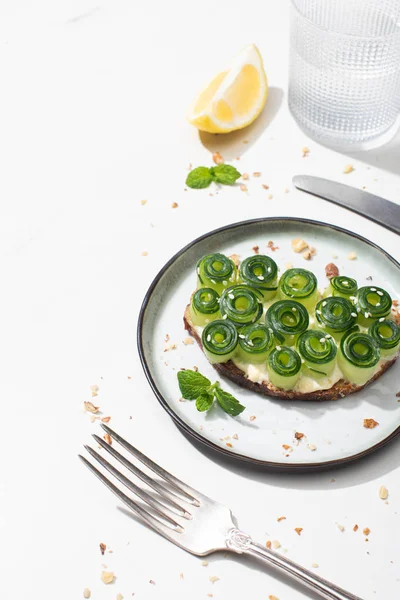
{"x": 242, "y": 543}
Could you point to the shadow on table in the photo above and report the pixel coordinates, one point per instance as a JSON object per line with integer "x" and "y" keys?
{"x": 234, "y": 145}
{"x": 365, "y": 469}
{"x": 387, "y": 157}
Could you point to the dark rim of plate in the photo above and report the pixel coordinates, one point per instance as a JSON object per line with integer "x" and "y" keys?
{"x": 180, "y": 422}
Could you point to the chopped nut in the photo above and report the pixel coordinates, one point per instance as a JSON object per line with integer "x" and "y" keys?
{"x": 245, "y": 176}
{"x": 174, "y": 205}
{"x": 93, "y": 419}
{"x": 340, "y": 527}
{"x": 270, "y": 196}
{"x": 90, "y": 407}
{"x": 268, "y": 545}
{"x": 315, "y": 565}
{"x": 120, "y": 597}
{"x": 298, "y": 435}
{"x": 86, "y": 593}
{"x": 181, "y": 575}
{"x": 370, "y": 423}
{"x": 204, "y": 563}
{"x": 217, "y": 158}
{"x": 352, "y": 256}
{"x": 279, "y": 519}
{"x": 106, "y": 419}
{"x": 331, "y": 270}
{"x": 243, "y": 187}
{"x": 366, "y": 531}
{"x": 307, "y": 254}
{"x": 383, "y": 493}
{"x": 213, "y": 578}
{"x": 253, "y": 417}
{"x": 312, "y": 447}
{"x": 108, "y": 439}
{"x": 287, "y": 447}
{"x": 313, "y": 251}
{"x": 152, "y": 582}
{"x": 298, "y": 530}
{"x": 256, "y": 174}
{"x": 398, "y": 395}
{"x": 170, "y": 347}
{"x": 305, "y": 151}
{"x": 229, "y": 445}
{"x": 145, "y": 253}
{"x": 103, "y": 548}
{"x": 286, "y": 190}
{"x": 298, "y": 245}
{"x": 167, "y": 338}
{"x": 235, "y": 258}
{"x": 355, "y": 528}
{"x": 143, "y": 202}
{"x": 289, "y": 265}
{"x": 256, "y": 249}
{"x": 188, "y": 341}
{"x": 276, "y": 544}
{"x": 235, "y": 436}
{"x": 271, "y": 597}
{"x": 107, "y": 577}
{"x": 348, "y": 169}
{"x": 265, "y": 186}
{"x": 271, "y": 246}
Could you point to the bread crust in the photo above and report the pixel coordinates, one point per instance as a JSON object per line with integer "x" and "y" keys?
{"x": 340, "y": 389}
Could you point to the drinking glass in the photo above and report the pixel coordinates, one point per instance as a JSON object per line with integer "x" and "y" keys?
{"x": 344, "y": 74}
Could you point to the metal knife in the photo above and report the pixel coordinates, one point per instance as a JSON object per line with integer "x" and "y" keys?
{"x": 368, "y": 205}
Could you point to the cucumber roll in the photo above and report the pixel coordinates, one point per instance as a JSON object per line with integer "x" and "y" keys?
{"x": 335, "y": 315}
{"x": 358, "y": 356}
{"x": 318, "y": 351}
{"x": 216, "y": 271}
{"x": 204, "y": 306}
{"x": 287, "y": 320}
{"x": 284, "y": 366}
{"x": 241, "y": 304}
{"x": 386, "y": 333}
{"x": 219, "y": 340}
{"x": 255, "y": 343}
{"x": 300, "y": 285}
{"x": 372, "y": 303}
{"x": 260, "y": 272}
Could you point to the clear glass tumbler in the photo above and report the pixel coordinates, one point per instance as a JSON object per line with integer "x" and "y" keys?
{"x": 344, "y": 74}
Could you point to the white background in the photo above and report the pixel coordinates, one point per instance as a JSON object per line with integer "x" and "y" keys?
{"x": 92, "y": 121}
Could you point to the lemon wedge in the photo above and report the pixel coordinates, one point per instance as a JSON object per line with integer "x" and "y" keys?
{"x": 235, "y": 97}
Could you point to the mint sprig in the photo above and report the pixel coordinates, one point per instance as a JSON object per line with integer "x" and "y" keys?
{"x": 194, "y": 386}
{"x": 201, "y": 177}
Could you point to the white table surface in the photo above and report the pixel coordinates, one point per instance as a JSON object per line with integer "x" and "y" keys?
{"x": 93, "y": 104}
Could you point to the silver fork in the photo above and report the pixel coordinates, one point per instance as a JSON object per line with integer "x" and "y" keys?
{"x": 191, "y": 520}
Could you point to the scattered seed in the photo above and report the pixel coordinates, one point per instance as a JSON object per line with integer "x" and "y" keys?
{"x": 204, "y": 563}
{"x": 107, "y": 577}
{"x": 256, "y": 174}
{"x": 217, "y": 158}
{"x": 213, "y": 578}
{"x": 90, "y": 407}
{"x": 144, "y": 253}
{"x": 86, "y": 593}
{"x": 253, "y": 417}
{"x": 352, "y": 256}
{"x": 383, "y": 492}
{"x": 245, "y": 176}
{"x": 315, "y": 565}
{"x": 120, "y": 597}
{"x": 270, "y": 196}
{"x": 276, "y": 544}
{"x": 348, "y": 169}
{"x": 188, "y": 341}
{"x": 340, "y": 527}
{"x": 243, "y": 187}
{"x": 143, "y": 202}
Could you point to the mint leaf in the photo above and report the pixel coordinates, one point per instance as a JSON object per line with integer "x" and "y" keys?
{"x": 226, "y": 174}
{"x": 199, "y": 178}
{"x": 228, "y": 403}
{"x": 204, "y": 402}
{"x": 192, "y": 384}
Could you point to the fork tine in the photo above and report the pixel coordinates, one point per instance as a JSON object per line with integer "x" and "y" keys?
{"x": 157, "y": 486}
{"x": 183, "y": 489}
{"x": 160, "y": 509}
{"x": 171, "y": 534}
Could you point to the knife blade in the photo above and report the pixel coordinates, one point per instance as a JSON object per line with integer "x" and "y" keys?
{"x": 368, "y": 205}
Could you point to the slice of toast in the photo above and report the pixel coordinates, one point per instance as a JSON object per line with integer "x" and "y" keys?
{"x": 340, "y": 389}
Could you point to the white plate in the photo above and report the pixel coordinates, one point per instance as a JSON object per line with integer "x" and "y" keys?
{"x": 334, "y": 428}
